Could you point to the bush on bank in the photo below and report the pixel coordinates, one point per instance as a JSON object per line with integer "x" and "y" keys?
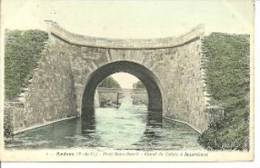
{"x": 139, "y": 85}
{"x": 22, "y": 52}
{"x": 227, "y": 65}
{"x": 109, "y": 82}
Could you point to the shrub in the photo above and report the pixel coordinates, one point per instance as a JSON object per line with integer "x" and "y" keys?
{"x": 138, "y": 85}
{"x": 22, "y": 51}
{"x": 226, "y": 61}
{"x": 109, "y": 82}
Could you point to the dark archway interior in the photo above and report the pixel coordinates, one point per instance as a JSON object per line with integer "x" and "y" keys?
{"x": 145, "y": 75}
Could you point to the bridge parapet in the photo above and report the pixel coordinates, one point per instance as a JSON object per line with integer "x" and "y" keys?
{"x": 156, "y": 43}
{"x": 120, "y": 90}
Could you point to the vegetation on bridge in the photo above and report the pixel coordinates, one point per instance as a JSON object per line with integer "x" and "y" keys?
{"x": 228, "y": 80}
{"x": 22, "y": 52}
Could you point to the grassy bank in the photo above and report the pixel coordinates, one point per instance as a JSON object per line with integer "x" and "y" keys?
{"x": 226, "y": 61}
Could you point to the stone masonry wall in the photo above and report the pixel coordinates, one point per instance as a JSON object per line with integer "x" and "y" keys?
{"x": 184, "y": 85}
{"x": 50, "y": 95}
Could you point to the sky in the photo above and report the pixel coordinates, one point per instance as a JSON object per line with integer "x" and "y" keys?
{"x": 125, "y": 80}
{"x": 130, "y": 19}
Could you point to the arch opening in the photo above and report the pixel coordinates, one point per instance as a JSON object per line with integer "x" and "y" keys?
{"x": 121, "y": 89}
{"x": 146, "y": 76}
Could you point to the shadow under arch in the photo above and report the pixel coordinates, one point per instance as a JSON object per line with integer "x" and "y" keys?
{"x": 147, "y": 77}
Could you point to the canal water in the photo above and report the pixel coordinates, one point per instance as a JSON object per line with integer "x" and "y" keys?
{"x": 115, "y": 128}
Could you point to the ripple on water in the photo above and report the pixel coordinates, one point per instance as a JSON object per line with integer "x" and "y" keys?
{"x": 123, "y": 128}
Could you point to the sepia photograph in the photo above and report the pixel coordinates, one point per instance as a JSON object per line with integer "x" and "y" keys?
{"x": 127, "y": 80}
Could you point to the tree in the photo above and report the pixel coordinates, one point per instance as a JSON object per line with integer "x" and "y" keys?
{"x": 109, "y": 82}
{"x": 138, "y": 85}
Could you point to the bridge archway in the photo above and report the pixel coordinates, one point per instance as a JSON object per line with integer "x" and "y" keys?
{"x": 147, "y": 77}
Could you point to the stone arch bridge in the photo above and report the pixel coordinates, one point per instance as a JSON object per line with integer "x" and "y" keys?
{"x": 72, "y": 65}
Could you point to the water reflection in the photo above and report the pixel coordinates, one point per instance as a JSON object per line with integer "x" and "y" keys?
{"x": 128, "y": 127}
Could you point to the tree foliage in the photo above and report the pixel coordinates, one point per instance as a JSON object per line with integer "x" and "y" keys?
{"x": 228, "y": 82}
{"x": 138, "y": 85}
{"x": 109, "y": 82}
{"x": 22, "y": 51}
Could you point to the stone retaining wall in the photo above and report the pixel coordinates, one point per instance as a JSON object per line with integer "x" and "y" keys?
{"x": 50, "y": 95}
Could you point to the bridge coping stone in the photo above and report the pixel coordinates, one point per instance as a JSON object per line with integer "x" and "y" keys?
{"x": 115, "y": 43}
